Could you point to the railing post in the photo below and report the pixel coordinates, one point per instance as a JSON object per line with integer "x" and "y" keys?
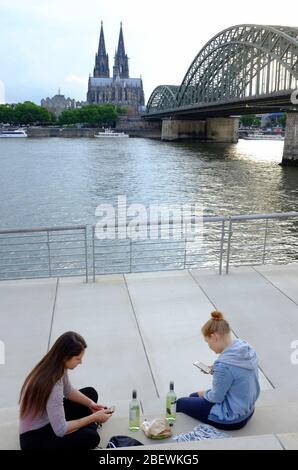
{"x": 265, "y": 242}
{"x": 229, "y": 246}
{"x": 221, "y": 245}
{"x": 130, "y": 253}
{"x": 86, "y": 255}
{"x": 49, "y": 254}
{"x": 93, "y": 252}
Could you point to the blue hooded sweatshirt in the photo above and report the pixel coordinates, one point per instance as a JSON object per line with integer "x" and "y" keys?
{"x": 235, "y": 386}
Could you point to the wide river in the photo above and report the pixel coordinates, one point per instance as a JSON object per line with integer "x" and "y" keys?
{"x": 58, "y": 182}
{"x": 47, "y": 182}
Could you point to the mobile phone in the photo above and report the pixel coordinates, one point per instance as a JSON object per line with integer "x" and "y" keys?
{"x": 203, "y": 367}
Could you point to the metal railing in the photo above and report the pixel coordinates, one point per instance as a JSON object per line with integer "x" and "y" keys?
{"x": 76, "y": 251}
{"x": 234, "y": 240}
{"x": 259, "y": 238}
{"x": 43, "y": 252}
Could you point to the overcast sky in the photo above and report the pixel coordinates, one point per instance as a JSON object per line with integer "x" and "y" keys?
{"x": 47, "y": 44}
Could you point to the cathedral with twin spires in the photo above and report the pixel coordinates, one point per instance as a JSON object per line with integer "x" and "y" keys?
{"x": 119, "y": 89}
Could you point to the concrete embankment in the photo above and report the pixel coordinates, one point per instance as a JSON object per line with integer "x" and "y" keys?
{"x": 135, "y": 126}
{"x": 60, "y": 132}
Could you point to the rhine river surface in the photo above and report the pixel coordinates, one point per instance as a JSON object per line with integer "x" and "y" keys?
{"x": 60, "y": 182}
{"x": 52, "y": 182}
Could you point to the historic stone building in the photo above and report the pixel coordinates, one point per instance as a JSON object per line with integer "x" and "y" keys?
{"x": 58, "y": 103}
{"x": 119, "y": 89}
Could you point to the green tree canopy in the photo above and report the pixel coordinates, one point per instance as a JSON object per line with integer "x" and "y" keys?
{"x": 250, "y": 120}
{"x": 92, "y": 115}
{"x": 25, "y": 113}
{"x": 282, "y": 120}
{"x": 6, "y": 114}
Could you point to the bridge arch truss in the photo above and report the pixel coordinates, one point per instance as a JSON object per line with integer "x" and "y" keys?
{"x": 241, "y": 62}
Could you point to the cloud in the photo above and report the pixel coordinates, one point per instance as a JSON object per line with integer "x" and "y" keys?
{"x": 77, "y": 80}
{"x": 2, "y": 92}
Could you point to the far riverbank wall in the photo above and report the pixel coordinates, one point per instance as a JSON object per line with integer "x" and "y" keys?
{"x": 135, "y": 126}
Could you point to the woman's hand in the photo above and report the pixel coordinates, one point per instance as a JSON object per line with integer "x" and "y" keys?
{"x": 96, "y": 406}
{"x": 102, "y": 416}
{"x": 201, "y": 393}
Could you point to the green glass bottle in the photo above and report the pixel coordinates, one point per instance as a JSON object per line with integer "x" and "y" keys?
{"x": 171, "y": 405}
{"x": 134, "y": 412}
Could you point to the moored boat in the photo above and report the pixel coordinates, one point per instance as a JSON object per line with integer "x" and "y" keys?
{"x": 263, "y": 137}
{"x": 110, "y": 133}
{"x": 13, "y": 133}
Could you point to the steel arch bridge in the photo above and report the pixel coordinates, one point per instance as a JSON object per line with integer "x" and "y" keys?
{"x": 239, "y": 65}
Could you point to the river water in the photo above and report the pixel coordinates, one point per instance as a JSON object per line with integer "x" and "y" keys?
{"x": 56, "y": 182}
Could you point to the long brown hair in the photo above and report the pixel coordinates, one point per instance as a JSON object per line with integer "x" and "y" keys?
{"x": 39, "y": 383}
{"x": 216, "y": 324}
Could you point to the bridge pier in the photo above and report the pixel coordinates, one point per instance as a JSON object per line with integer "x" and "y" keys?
{"x": 178, "y": 129}
{"x": 210, "y": 130}
{"x": 290, "y": 154}
{"x": 222, "y": 129}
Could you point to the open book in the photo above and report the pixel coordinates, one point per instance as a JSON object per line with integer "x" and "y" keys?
{"x": 203, "y": 367}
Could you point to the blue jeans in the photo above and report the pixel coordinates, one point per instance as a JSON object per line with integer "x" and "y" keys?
{"x": 199, "y": 408}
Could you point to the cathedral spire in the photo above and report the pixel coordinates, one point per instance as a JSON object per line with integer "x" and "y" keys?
{"x": 101, "y": 68}
{"x": 121, "y": 48}
{"x": 121, "y": 59}
{"x": 101, "y": 45}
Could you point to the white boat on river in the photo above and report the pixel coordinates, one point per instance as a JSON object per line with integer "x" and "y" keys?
{"x": 12, "y": 133}
{"x": 109, "y": 133}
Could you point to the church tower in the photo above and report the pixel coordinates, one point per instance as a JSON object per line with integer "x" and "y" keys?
{"x": 121, "y": 60}
{"x": 101, "y": 68}
{"x": 120, "y": 89}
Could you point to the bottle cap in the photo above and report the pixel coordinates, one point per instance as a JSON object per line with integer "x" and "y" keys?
{"x": 171, "y": 385}
{"x": 134, "y": 394}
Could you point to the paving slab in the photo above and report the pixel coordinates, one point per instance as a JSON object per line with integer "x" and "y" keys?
{"x": 9, "y": 428}
{"x": 277, "y": 397}
{"x": 115, "y": 361}
{"x": 259, "y": 313}
{"x": 170, "y": 309}
{"x": 119, "y": 426}
{"x": 271, "y": 419}
{"x": 284, "y": 278}
{"x": 289, "y": 440}
{"x": 26, "y": 309}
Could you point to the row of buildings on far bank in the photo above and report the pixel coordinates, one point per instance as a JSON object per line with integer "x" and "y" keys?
{"x": 118, "y": 89}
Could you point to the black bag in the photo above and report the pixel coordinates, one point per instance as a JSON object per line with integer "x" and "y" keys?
{"x": 123, "y": 441}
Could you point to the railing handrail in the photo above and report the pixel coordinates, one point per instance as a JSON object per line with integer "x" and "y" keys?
{"x": 43, "y": 229}
{"x": 216, "y": 218}
{"x": 211, "y": 218}
{"x": 274, "y": 215}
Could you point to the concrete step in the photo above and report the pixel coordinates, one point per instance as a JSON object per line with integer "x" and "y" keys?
{"x": 278, "y": 420}
{"x": 265, "y": 442}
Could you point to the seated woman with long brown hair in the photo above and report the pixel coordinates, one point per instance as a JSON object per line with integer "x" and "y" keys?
{"x": 53, "y": 414}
